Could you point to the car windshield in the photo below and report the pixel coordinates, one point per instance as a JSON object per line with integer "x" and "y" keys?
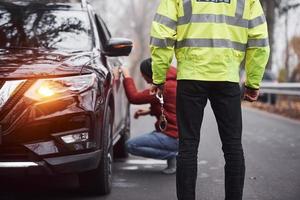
{"x": 32, "y": 27}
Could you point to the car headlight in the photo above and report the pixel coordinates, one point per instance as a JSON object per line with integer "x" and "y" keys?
{"x": 45, "y": 89}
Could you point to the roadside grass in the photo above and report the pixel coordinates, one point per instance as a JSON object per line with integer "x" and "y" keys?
{"x": 285, "y": 106}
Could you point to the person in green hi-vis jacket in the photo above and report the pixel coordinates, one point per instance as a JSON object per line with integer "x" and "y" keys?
{"x": 211, "y": 40}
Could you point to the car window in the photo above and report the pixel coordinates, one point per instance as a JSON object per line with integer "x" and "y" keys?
{"x": 104, "y": 33}
{"x": 25, "y": 27}
{"x": 105, "y": 29}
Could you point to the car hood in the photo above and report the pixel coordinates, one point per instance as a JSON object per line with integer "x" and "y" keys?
{"x": 30, "y": 63}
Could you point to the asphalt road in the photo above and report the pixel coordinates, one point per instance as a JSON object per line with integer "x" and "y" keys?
{"x": 272, "y": 148}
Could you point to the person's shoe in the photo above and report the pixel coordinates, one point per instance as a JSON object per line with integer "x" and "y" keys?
{"x": 171, "y": 168}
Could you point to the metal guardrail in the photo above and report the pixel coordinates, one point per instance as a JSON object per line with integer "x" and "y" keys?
{"x": 288, "y": 89}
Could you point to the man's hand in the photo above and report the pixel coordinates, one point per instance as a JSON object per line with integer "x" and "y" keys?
{"x": 124, "y": 71}
{"x": 251, "y": 95}
{"x": 141, "y": 112}
{"x": 157, "y": 89}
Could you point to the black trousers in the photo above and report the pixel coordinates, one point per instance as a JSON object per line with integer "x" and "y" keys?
{"x": 225, "y": 100}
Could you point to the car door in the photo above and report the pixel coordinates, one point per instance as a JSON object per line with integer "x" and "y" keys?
{"x": 114, "y": 64}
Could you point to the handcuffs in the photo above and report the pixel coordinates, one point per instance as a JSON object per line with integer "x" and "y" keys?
{"x": 163, "y": 122}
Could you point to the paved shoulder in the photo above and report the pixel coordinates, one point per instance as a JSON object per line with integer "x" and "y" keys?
{"x": 273, "y": 156}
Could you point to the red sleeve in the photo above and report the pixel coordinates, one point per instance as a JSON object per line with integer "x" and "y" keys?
{"x": 136, "y": 97}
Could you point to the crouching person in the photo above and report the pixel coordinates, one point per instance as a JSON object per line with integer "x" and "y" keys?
{"x": 162, "y": 143}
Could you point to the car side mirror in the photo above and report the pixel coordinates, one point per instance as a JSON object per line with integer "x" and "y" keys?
{"x": 118, "y": 47}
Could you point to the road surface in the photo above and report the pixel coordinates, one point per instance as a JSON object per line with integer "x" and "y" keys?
{"x": 272, "y": 149}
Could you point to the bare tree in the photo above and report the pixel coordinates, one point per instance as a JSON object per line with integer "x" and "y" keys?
{"x": 283, "y": 7}
{"x": 270, "y": 7}
{"x": 295, "y": 43}
{"x": 140, "y": 18}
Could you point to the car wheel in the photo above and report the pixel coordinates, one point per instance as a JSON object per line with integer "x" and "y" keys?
{"x": 120, "y": 150}
{"x": 99, "y": 181}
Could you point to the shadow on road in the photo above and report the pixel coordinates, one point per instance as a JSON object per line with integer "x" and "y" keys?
{"x": 39, "y": 187}
{"x": 128, "y": 176}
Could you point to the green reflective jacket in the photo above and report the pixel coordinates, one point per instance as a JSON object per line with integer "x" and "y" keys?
{"x": 211, "y": 39}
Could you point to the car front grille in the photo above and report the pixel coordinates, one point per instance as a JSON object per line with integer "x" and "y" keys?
{"x": 10, "y": 93}
{"x": 8, "y": 89}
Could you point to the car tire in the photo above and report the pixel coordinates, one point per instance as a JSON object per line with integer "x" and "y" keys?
{"x": 120, "y": 149}
{"x": 99, "y": 181}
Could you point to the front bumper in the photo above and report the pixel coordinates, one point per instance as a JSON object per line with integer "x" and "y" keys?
{"x": 39, "y": 148}
{"x": 32, "y": 135}
{"x": 51, "y": 166}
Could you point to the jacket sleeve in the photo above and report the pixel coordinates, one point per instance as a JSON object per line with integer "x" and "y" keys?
{"x": 163, "y": 38}
{"x": 136, "y": 97}
{"x": 258, "y": 49}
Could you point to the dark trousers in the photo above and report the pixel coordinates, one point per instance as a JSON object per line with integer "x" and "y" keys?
{"x": 226, "y": 104}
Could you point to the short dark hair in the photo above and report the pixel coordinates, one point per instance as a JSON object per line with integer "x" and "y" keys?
{"x": 146, "y": 68}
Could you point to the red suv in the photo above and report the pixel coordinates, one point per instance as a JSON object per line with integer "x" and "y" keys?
{"x": 62, "y": 109}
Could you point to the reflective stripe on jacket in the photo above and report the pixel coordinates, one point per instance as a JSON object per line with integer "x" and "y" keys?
{"x": 211, "y": 39}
